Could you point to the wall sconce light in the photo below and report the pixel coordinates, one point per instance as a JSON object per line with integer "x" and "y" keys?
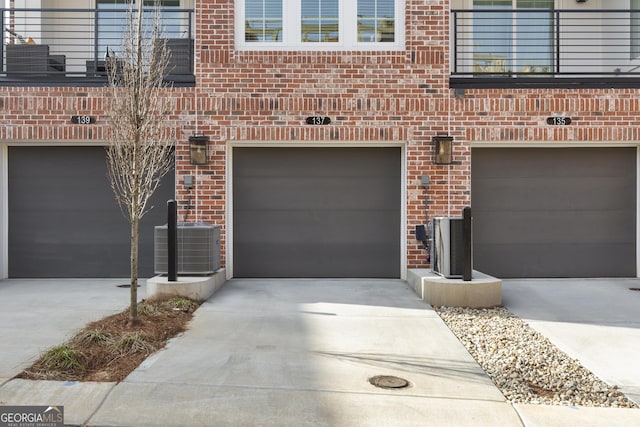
{"x": 443, "y": 150}
{"x": 198, "y": 149}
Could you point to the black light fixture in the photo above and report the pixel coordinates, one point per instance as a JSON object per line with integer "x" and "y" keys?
{"x": 443, "y": 150}
{"x": 198, "y": 149}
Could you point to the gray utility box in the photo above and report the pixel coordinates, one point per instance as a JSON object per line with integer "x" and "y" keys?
{"x": 198, "y": 248}
{"x": 447, "y": 247}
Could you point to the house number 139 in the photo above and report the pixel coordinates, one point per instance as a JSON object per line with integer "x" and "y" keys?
{"x": 83, "y": 120}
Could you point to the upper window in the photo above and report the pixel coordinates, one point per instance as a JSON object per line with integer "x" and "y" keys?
{"x": 112, "y": 21}
{"x": 263, "y": 21}
{"x": 319, "y": 21}
{"x": 320, "y": 24}
{"x": 513, "y": 36}
{"x": 634, "y": 34}
{"x": 376, "y": 21}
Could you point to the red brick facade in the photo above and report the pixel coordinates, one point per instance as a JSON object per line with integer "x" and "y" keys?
{"x": 372, "y": 98}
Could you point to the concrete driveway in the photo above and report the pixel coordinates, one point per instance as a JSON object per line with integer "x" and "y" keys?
{"x": 277, "y": 353}
{"x": 596, "y": 321}
{"x": 293, "y": 352}
{"x": 301, "y": 352}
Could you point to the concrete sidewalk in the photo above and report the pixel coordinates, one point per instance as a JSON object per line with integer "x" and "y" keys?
{"x": 300, "y": 352}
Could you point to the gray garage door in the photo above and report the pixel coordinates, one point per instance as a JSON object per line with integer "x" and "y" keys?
{"x": 64, "y": 220}
{"x": 316, "y": 212}
{"x": 563, "y": 212}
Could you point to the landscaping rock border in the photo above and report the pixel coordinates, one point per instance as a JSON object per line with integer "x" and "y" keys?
{"x": 524, "y": 365}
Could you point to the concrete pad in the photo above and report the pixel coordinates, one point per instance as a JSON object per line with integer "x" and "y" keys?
{"x": 80, "y": 400}
{"x": 356, "y": 297}
{"x": 483, "y": 291}
{"x": 200, "y": 405}
{"x": 50, "y": 311}
{"x": 595, "y": 321}
{"x": 197, "y": 288}
{"x": 573, "y": 416}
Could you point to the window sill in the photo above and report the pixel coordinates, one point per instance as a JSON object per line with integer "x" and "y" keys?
{"x": 319, "y": 47}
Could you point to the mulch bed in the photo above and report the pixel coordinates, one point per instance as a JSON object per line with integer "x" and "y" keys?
{"x": 111, "y": 348}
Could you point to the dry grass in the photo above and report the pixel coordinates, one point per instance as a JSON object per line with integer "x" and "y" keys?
{"x": 110, "y": 348}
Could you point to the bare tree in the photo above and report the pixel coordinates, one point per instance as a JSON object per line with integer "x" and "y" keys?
{"x": 139, "y": 150}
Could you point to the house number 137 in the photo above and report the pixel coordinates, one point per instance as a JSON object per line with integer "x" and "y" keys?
{"x": 318, "y": 120}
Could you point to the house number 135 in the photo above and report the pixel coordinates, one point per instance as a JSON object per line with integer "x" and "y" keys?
{"x": 559, "y": 121}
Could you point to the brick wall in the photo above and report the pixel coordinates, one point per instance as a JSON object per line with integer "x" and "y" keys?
{"x": 371, "y": 97}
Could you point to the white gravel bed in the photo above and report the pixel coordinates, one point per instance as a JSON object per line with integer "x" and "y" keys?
{"x": 524, "y": 365}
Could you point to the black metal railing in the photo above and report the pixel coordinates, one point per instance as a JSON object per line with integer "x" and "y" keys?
{"x": 70, "y": 45}
{"x": 520, "y": 43}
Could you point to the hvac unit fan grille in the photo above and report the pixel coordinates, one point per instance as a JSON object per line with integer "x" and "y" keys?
{"x": 198, "y": 248}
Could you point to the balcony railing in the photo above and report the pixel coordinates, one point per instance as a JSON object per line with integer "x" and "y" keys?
{"x": 522, "y": 44}
{"x": 68, "y": 46}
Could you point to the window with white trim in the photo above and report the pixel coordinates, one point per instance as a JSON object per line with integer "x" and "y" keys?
{"x": 319, "y": 24}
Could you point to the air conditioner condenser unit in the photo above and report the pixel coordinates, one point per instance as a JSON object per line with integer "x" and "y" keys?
{"x": 198, "y": 248}
{"x": 447, "y": 247}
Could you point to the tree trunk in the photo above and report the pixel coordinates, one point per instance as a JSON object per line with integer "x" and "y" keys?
{"x": 133, "y": 307}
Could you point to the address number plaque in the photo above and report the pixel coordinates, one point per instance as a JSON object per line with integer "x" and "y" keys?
{"x": 559, "y": 121}
{"x": 83, "y": 120}
{"x": 318, "y": 120}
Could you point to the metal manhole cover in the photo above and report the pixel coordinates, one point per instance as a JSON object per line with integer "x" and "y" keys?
{"x": 389, "y": 382}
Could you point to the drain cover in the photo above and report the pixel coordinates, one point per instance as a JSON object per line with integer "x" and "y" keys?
{"x": 388, "y": 381}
